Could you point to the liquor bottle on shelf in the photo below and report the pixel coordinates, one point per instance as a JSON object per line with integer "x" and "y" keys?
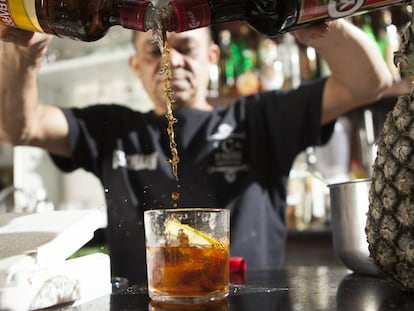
{"x": 213, "y": 89}
{"x": 270, "y": 65}
{"x": 308, "y": 60}
{"x": 356, "y": 170}
{"x": 288, "y": 51}
{"x": 297, "y": 195}
{"x": 227, "y": 66}
{"x": 307, "y": 193}
{"x": 364, "y": 22}
{"x": 77, "y": 19}
{"x": 269, "y": 17}
{"x": 401, "y": 15}
{"x": 389, "y": 41}
{"x": 247, "y": 80}
{"x": 317, "y": 190}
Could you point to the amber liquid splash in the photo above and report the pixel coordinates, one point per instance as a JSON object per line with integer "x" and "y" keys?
{"x": 159, "y": 37}
{"x": 166, "y": 69}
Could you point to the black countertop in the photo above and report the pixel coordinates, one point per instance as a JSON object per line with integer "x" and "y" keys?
{"x": 306, "y": 288}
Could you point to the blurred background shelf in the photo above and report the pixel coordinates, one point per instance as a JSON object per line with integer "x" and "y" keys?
{"x": 104, "y": 66}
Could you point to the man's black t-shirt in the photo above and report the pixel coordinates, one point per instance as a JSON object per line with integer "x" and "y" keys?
{"x": 237, "y": 157}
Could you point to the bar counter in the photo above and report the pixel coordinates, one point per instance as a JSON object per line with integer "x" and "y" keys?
{"x": 307, "y": 288}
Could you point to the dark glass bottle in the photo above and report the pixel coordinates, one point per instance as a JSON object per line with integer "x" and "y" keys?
{"x": 269, "y": 17}
{"x": 86, "y": 20}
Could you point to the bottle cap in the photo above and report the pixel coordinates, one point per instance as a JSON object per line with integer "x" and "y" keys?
{"x": 191, "y": 14}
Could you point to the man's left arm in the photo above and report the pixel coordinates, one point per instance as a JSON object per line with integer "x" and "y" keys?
{"x": 359, "y": 75}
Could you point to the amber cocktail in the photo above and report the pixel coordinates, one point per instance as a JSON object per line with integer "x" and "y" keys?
{"x": 187, "y": 254}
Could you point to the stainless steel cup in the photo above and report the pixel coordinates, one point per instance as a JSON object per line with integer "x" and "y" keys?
{"x": 349, "y": 206}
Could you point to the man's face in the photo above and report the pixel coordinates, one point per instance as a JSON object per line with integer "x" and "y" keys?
{"x": 191, "y": 54}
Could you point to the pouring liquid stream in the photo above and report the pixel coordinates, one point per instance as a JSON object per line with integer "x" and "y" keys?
{"x": 159, "y": 37}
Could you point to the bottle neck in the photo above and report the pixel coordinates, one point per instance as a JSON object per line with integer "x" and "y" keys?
{"x": 137, "y": 14}
{"x": 269, "y": 17}
{"x": 228, "y": 11}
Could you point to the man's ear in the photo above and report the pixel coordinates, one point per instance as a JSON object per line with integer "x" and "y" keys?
{"x": 134, "y": 64}
{"x": 214, "y": 53}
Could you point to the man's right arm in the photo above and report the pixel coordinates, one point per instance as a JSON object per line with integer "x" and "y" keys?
{"x": 23, "y": 121}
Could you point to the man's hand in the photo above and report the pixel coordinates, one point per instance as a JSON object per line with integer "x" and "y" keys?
{"x": 33, "y": 45}
{"x": 23, "y": 121}
{"x": 309, "y": 34}
{"x": 21, "y": 37}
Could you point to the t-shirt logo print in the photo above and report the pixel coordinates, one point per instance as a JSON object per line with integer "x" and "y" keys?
{"x": 134, "y": 162}
{"x": 228, "y": 152}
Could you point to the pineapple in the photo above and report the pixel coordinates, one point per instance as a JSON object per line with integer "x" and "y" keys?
{"x": 390, "y": 218}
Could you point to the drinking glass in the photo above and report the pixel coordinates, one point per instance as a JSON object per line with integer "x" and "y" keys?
{"x": 187, "y": 254}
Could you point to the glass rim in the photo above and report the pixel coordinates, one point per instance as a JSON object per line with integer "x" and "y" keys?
{"x": 187, "y": 209}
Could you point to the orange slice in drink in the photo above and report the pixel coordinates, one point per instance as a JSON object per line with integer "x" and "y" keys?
{"x": 174, "y": 229}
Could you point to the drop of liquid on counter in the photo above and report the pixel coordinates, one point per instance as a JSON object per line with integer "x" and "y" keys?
{"x": 244, "y": 289}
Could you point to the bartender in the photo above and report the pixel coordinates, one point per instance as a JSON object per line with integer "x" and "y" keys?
{"x": 237, "y": 157}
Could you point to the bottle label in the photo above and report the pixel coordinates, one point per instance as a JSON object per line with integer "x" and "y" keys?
{"x": 191, "y": 14}
{"x": 312, "y": 10}
{"x": 20, "y": 14}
